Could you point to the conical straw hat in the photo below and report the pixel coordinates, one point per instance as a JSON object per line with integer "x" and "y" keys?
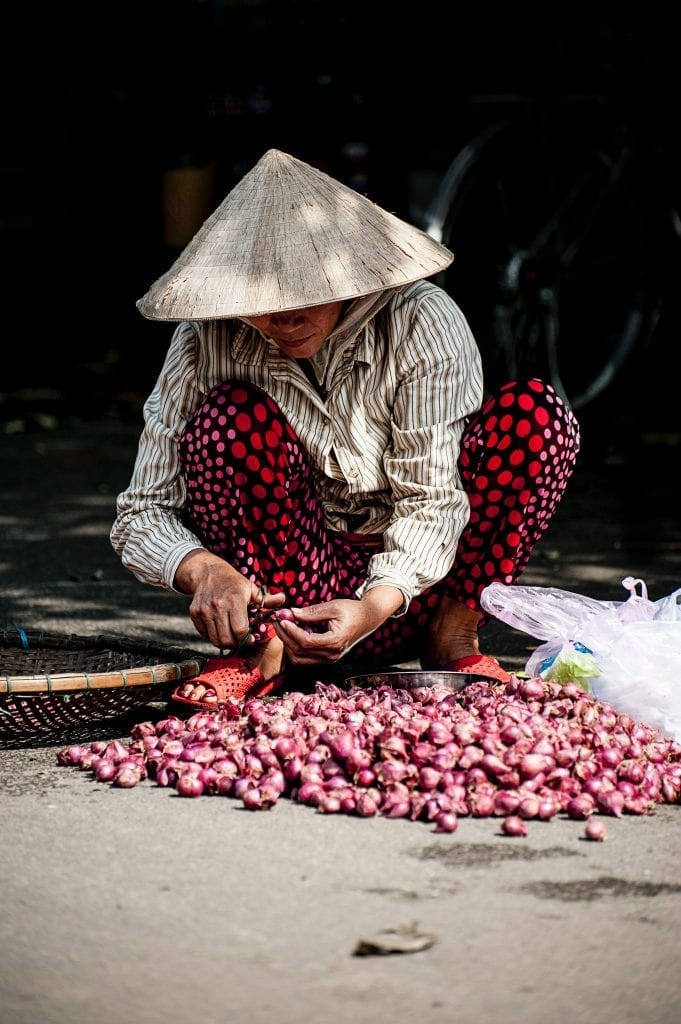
{"x": 288, "y": 236}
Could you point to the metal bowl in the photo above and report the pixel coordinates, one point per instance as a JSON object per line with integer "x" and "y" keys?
{"x": 411, "y": 680}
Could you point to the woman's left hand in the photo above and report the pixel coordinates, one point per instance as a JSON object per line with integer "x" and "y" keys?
{"x": 324, "y": 633}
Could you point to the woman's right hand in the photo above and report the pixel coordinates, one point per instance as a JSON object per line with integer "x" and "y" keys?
{"x": 221, "y": 597}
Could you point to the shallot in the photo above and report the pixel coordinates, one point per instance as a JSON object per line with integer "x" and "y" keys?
{"x": 595, "y": 829}
{"x": 527, "y": 751}
{"x": 512, "y": 825}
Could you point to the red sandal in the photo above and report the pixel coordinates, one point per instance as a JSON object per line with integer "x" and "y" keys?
{"x": 480, "y": 664}
{"x": 229, "y": 677}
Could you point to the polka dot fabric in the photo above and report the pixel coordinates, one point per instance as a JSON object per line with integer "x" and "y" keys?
{"x": 251, "y": 500}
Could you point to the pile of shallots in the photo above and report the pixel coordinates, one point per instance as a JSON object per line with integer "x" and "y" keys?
{"x": 527, "y": 750}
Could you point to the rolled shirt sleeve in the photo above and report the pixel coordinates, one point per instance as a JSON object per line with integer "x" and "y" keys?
{"x": 440, "y": 386}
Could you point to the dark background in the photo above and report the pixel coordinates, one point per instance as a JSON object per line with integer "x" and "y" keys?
{"x": 125, "y": 124}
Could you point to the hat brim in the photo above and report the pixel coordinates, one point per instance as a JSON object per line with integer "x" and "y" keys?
{"x": 289, "y": 236}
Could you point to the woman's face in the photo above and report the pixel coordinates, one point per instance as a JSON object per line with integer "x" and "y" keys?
{"x": 300, "y": 333}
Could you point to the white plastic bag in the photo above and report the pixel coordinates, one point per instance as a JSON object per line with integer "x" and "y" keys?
{"x": 627, "y": 653}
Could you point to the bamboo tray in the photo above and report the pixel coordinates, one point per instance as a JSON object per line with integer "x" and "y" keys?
{"x": 50, "y": 683}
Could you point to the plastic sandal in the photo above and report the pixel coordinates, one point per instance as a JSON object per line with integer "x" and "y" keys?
{"x": 229, "y": 677}
{"x": 481, "y": 664}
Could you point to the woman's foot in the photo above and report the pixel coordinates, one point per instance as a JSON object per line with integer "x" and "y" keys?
{"x": 453, "y": 643}
{"x": 452, "y": 634}
{"x": 235, "y": 676}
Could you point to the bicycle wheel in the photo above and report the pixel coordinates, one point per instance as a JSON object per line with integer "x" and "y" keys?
{"x": 550, "y": 266}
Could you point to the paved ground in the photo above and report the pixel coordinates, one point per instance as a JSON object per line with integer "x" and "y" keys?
{"x": 139, "y": 905}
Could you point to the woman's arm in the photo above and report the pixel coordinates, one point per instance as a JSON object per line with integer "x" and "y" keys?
{"x": 148, "y": 533}
{"x": 440, "y": 387}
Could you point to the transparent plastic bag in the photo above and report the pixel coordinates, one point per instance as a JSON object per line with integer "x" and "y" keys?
{"x": 627, "y": 653}
{"x": 547, "y": 613}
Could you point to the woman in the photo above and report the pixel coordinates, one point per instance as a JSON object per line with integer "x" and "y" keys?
{"x": 317, "y": 439}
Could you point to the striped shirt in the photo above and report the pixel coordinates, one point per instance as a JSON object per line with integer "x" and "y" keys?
{"x": 401, "y": 384}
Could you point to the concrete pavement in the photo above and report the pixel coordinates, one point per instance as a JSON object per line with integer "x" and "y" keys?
{"x": 139, "y": 905}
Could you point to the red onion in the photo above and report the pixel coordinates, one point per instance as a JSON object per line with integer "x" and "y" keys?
{"x": 292, "y": 768}
{"x": 671, "y": 790}
{"x": 513, "y": 826}
{"x": 366, "y": 777}
{"x": 611, "y": 801}
{"x": 286, "y": 748}
{"x": 309, "y": 793}
{"x": 329, "y": 804}
{"x": 105, "y": 771}
{"x": 240, "y": 785}
{"x": 595, "y": 829}
{"x": 342, "y": 744}
{"x": 166, "y": 777}
{"x": 482, "y": 805}
{"x": 532, "y": 689}
{"x": 127, "y": 775}
{"x": 439, "y": 734}
{"x": 252, "y": 799}
{"x": 580, "y": 807}
{"x": 115, "y": 751}
{"x": 529, "y": 807}
{"x": 510, "y": 780}
{"x": 330, "y": 767}
{"x": 506, "y": 802}
{"x": 367, "y": 807}
{"x": 547, "y": 808}
{"x": 208, "y": 777}
{"x": 224, "y": 785}
{"x": 531, "y": 765}
{"x": 493, "y": 765}
{"x": 470, "y": 756}
{"x": 510, "y": 734}
{"x": 526, "y": 751}
{"x": 311, "y": 772}
{"x": 70, "y": 756}
{"x": 446, "y": 822}
{"x": 189, "y": 785}
{"x": 533, "y": 784}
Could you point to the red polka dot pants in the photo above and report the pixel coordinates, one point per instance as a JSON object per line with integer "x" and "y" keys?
{"x": 251, "y": 500}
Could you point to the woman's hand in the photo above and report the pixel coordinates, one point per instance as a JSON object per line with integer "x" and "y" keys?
{"x": 221, "y": 598}
{"x": 324, "y": 633}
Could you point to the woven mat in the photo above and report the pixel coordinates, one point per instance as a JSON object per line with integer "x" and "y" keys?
{"x": 52, "y": 684}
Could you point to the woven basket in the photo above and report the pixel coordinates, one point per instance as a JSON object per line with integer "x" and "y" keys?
{"x": 51, "y": 683}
